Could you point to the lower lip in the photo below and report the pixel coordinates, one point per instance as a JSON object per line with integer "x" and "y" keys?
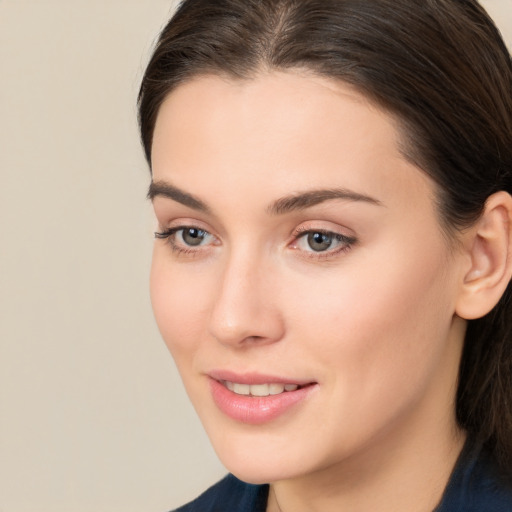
{"x": 256, "y": 410}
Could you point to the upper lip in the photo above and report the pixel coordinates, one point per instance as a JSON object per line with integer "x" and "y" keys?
{"x": 255, "y": 378}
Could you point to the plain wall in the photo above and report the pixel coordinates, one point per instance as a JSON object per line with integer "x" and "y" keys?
{"x": 93, "y": 416}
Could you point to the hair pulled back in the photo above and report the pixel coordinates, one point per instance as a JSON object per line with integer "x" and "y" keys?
{"x": 439, "y": 67}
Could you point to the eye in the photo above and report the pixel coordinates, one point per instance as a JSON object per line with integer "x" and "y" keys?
{"x": 186, "y": 238}
{"x": 319, "y": 242}
{"x": 192, "y": 236}
{"x": 322, "y": 242}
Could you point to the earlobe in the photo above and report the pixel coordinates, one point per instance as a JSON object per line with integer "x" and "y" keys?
{"x": 489, "y": 246}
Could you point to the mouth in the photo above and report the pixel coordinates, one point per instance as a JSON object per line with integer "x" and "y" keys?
{"x": 259, "y": 390}
{"x": 256, "y": 399}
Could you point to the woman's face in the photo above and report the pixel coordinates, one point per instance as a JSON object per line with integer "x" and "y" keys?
{"x": 299, "y": 248}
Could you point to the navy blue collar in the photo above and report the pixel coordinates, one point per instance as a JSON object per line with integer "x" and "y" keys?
{"x": 475, "y": 485}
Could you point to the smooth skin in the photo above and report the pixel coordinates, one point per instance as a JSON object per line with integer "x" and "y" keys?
{"x": 362, "y": 294}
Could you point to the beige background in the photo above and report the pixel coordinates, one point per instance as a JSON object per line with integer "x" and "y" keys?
{"x": 92, "y": 414}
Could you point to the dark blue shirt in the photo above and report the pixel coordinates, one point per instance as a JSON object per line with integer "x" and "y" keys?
{"x": 475, "y": 486}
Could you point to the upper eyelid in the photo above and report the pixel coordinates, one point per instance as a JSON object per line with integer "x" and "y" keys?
{"x": 297, "y": 233}
{"x": 341, "y": 237}
{"x": 301, "y": 233}
{"x": 172, "y": 230}
{"x": 183, "y": 223}
{"x": 339, "y": 230}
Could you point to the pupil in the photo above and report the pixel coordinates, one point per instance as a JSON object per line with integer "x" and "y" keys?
{"x": 319, "y": 241}
{"x": 193, "y": 236}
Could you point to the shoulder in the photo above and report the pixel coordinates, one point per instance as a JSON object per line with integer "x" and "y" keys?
{"x": 230, "y": 495}
{"x": 477, "y": 485}
{"x": 488, "y": 489}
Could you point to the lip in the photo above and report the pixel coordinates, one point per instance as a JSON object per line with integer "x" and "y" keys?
{"x": 254, "y": 378}
{"x": 256, "y": 410}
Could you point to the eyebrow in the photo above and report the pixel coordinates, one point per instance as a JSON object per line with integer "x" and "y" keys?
{"x": 294, "y": 202}
{"x": 304, "y": 200}
{"x": 164, "y": 189}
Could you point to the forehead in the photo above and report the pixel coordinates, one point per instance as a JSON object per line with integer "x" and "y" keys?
{"x": 289, "y": 130}
{"x": 268, "y": 104}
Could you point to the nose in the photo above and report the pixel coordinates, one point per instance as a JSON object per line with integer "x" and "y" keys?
{"x": 246, "y": 308}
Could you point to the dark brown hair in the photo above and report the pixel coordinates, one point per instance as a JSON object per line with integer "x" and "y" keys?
{"x": 439, "y": 66}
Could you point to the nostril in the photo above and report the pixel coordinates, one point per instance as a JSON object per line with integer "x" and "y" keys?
{"x": 253, "y": 339}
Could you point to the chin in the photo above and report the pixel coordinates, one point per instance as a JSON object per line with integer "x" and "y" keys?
{"x": 260, "y": 455}
{"x": 259, "y": 471}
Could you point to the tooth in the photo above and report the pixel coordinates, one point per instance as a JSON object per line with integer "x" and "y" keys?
{"x": 259, "y": 390}
{"x": 241, "y": 389}
{"x": 275, "y": 389}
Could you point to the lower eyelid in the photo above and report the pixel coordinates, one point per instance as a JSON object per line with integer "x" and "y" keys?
{"x": 179, "y": 247}
{"x": 344, "y": 244}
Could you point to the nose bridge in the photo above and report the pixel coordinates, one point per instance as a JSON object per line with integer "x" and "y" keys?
{"x": 243, "y": 309}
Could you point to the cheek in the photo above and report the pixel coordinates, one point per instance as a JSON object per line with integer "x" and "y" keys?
{"x": 378, "y": 319}
{"x": 177, "y": 301}
{"x": 377, "y": 337}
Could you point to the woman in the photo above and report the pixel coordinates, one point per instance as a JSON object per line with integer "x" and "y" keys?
{"x": 332, "y": 182}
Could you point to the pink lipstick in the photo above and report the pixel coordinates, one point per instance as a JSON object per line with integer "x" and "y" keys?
{"x": 254, "y": 398}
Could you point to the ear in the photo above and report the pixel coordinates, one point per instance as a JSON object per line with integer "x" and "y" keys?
{"x": 489, "y": 246}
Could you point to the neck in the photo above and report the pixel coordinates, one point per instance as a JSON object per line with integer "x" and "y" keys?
{"x": 394, "y": 478}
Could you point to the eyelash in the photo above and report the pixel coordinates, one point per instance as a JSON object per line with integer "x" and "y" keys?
{"x": 346, "y": 242}
{"x": 168, "y": 235}
{"x": 300, "y": 233}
